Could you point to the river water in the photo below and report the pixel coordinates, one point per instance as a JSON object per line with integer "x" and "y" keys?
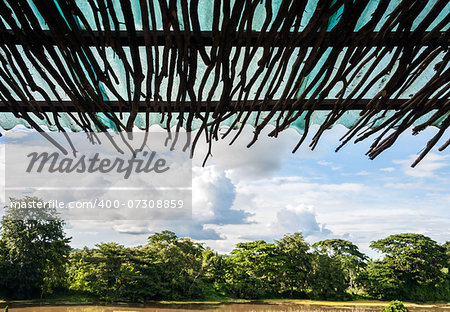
{"x": 234, "y": 307}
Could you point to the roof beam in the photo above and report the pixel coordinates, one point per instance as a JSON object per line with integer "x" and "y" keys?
{"x": 69, "y": 106}
{"x": 255, "y": 39}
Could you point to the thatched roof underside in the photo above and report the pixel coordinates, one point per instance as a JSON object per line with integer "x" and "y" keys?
{"x": 379, "y": 67}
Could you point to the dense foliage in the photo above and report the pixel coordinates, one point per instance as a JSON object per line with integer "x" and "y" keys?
{"x": 35, "y": 259}
{"x": 33, "y": 252}
{"x": 414, "y": 267}
{"x": 395, "y": 306}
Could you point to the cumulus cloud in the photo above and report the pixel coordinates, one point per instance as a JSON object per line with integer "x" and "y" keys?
{"x": 299, "y": 219}
{"x": 213, "y": 197}
{"x": 242, "y": 163}
{"x": 212, "y": 200}
{"x": 265, "y": 192}
{"x": 287, "y": 220}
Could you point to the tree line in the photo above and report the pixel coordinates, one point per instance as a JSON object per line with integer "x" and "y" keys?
{"x": 36, "y": 260}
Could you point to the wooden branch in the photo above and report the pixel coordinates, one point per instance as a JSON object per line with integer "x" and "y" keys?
{"x": 232, "y": 70}
{"x": 253, "y": 39}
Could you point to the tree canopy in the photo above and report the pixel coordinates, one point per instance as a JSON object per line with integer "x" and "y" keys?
{"x": 414, "y": 267}
{"x": 35, "y": 259}
{"x": 33, "y": 251}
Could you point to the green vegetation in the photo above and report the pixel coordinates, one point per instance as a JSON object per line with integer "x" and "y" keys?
{"x": 33, "y": 252}
{"x": 35, "y": 260}
{"x": 414, "y": 267}
{"x": 395, "y": 306}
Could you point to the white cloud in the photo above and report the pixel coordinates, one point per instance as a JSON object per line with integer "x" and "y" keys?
{"x": 280, "y": 180}
{"x": 132, "y": 227}
{"x": 426, "y": 168}
{"x": 241, "y": 162}
{"x": 213, "y": 197}
{"x": 212, "y": 201}
{"x": 402, "y": 186}
{"x": 329, "y": 164}
{"x": 264, "y": 192}
{"x": 279, "y": 208}
{"x": 299, "y": 219}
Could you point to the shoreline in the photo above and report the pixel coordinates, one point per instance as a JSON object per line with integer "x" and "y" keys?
{"x": 305, "y": 302}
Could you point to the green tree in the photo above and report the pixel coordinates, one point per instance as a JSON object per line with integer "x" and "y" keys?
{"x": 33, "y": 251}
{"x": 181, "y": 263}
{"x": 167, "y": 268}
{"x": 296, "y": 262}
{"x": 446, "y": 245}
{"x": 351, "y": 259}
{"x": 413, "y": 268}
{"x": 381, "y": 280}
{"x": 217, "y": 268}
{"x": 327, "y": 279}
{"x": 112, "y": 272}
{"x": 255, "y": 269}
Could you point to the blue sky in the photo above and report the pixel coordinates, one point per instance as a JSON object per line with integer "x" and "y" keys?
{"x": 266, "y": 191}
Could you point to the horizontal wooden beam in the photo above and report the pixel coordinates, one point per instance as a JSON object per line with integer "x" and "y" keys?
{"x": 253, "y": 39}
{"x": 68, "y": 106}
